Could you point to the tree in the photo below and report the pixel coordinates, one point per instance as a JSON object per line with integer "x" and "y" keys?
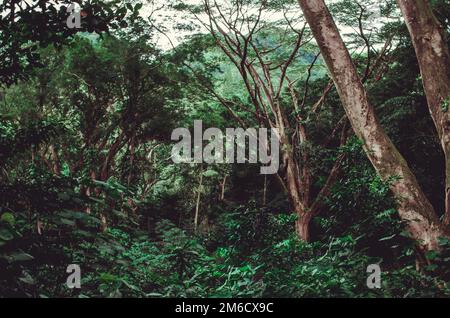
{"x": 264, "y": 53}
{"x": 27, "y": 26}
{"x": 413, "y": 206}
{"x": 429, "y": 40}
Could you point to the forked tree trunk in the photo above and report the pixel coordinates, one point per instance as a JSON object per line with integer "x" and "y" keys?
{"x": 265, "y": 85}
{"x": 432, "y": 52}
{"x": 413, "y": 206}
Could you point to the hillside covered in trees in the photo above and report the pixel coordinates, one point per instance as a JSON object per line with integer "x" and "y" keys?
{"x": 356, "y": 92}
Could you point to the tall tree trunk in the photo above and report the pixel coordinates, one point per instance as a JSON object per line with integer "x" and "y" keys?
{"x": 428, "y": 37}
{"x": 197, "y": 204}
{"x": 264, "y": 201}
{"x": 303, "y": 225}
{"x": 294, "y": 192}
{"x": 413, "y": 206}
{"x": 132, "y": 154}
{"x": 222, "y": 187}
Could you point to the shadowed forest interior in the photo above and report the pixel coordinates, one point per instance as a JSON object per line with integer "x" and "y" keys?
{"x": 357, "y": 90}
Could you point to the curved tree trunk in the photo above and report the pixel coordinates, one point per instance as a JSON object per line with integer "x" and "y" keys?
{"x": 413, "y": 206}
{"x": 432, "y": 52}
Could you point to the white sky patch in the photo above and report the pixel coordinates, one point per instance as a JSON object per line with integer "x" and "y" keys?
{"x": 163, "y": 16}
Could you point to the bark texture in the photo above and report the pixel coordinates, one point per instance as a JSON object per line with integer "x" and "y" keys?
{"x": 428, "y": 37}
{"x": 413, "y": 206}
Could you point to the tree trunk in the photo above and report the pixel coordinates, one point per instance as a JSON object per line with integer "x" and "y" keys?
{"x": 264, "y": 201}
{"x": 295, "y": 195}
{"x": 413, "y": 206}
{"x": 132, "y": 154}
{"x": 197, "y": 204}
{"x": 432, "y": 52}
{"x": 302, "y": 225}
{"x": 222, "y": 187}
{"x": 56, "y": 168}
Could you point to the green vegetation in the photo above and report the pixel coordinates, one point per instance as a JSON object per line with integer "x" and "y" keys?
{"x": 86, "y": 175}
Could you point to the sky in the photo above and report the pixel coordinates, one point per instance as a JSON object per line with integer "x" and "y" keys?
{"x": 166, "y": 17}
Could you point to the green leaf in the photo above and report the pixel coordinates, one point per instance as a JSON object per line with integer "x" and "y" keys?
{"x": 6, "y": 235}
{"x": 67, "y": 222}
{"x": 108, "y": 278}
{"x": 130, "y": 286}
{"x": 19, "y": 257}
{"x": 431, "y": 255}
{"x": 8, "y": 218}
{"x": 210, "y": 173}
{"x": 445, "y": 104}
{"x": 121, "y": 11}
{"x": 27, "y": 279}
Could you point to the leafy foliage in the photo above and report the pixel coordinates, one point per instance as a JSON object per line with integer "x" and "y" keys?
{"x": 86, "y": 176}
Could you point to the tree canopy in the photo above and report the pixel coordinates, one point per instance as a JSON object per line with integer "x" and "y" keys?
{"x": 359, "y": 103}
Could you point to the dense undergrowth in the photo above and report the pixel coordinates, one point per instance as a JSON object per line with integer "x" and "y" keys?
{"x": 86, "y": 176}
{"x": 252, "y": 253}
